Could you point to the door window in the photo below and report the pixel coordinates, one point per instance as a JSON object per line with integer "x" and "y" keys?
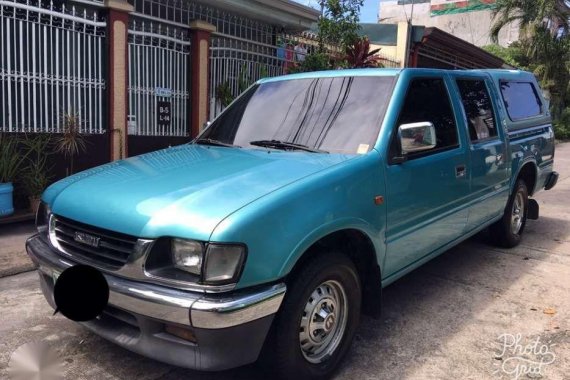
{"x": 478, "y": 109}
{"x": 427, "y": 100}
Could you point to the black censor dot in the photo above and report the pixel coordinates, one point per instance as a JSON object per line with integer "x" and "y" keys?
{"x": 81, "y": 293}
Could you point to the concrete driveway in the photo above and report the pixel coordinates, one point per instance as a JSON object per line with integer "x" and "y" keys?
{"x": 455, "y": 318}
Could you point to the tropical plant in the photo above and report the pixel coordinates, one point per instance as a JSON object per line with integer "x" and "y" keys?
{"x": 224, "y": 94}
{"x": 359, "y": 55}
{"x": 513, "y": 55}
{"x": 530, "y": 14}
{"x": 37, "y": 171}
{"x": 11, "y": 158}
{"x": 71, "y": 142}
{"x": 551, "y": 57}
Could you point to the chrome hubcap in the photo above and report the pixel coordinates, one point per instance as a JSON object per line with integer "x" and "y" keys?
{"x": 323, "y": 322}
{"x": 517, "y": 214}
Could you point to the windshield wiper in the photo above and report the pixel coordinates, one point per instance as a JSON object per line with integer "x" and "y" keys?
{"x": 215, "y": 143}
{"x": 276, "y": 144}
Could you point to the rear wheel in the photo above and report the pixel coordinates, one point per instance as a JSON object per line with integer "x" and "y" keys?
{"x": 508, "y": 231}
{"x": 318, "y": 319}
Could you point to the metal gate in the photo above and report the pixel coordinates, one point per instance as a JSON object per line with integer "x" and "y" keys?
{"x": 237, "y": 63}
{"x": 51, "y": 67}
{"x": 159, "y": 59}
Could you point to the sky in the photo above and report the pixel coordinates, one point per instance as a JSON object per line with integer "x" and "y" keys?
{"x": 368, "y": 13}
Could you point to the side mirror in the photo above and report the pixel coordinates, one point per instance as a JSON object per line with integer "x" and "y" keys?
{"x": 417, "y": 137}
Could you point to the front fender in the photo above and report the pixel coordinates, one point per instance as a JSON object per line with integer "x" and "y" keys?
{"x": 329, "y": 228}
{"x": 279, "y": 227}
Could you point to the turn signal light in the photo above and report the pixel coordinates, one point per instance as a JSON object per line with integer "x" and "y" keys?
{"x": 181, "y": 332}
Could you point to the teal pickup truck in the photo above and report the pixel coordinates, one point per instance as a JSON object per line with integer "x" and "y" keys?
{"x": 272, "y": 230}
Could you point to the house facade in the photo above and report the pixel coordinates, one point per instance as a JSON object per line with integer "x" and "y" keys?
{"x": 137, "y": 75}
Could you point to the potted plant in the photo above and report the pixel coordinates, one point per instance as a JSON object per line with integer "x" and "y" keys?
{"x": 71, "y": 142}
{"x": 10, "y": 162}
{"x": 37, "y": 172}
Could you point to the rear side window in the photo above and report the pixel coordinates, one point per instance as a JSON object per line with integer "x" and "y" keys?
{"x": 427, "y": 100}
{"x": 521, "y": 100}
{"x": 478, "y": 109}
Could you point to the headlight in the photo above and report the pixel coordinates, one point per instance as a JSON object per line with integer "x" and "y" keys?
{"x": 195, "y": 262}
{"x": 42, "y": 218}
{"x": 223, "y": 263}
{"x": 187, "y": 255}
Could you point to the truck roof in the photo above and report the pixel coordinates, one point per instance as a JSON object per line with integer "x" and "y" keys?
{"x": 495, "y": 73}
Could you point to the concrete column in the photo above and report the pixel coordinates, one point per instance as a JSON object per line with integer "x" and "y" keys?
{"x": 200, "y": 70}
{"x": 402, "y": 44}
{"x": 117, "y": 86}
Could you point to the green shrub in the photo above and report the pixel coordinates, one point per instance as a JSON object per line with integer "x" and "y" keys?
{"x": 313, "y": 62}
{"x": 562, "y": 126}
{"x": 561, "y": 131}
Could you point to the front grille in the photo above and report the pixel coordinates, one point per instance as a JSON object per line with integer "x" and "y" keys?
{"x": 113, "y": 249}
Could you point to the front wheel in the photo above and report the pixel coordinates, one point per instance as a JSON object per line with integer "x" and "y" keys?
{"x": 318, "y": 318}
{"x": 507, "y": 232}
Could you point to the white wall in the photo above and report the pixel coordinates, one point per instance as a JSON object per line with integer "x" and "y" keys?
{"x": 472, "y": 27}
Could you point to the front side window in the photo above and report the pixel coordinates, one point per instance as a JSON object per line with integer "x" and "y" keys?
{"x": 427, "y": 100}
{"x": 478, "y": 109}
{"x": 337, "y": 115}
{"x": 521, "y": 100}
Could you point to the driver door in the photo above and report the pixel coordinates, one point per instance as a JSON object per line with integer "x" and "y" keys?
{"x": 426, "y": 191}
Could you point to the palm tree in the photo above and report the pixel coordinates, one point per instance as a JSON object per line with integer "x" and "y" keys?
{"x": 531, "y": 14}
{"x": 552, "y": 65}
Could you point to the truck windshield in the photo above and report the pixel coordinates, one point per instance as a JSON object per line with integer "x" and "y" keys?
{"x": 335, "y": 115}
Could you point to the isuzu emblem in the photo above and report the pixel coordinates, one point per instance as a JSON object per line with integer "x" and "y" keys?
{"x": 87, "y": 239}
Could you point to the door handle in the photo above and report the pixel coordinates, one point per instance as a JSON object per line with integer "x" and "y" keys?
{"x": 460, "y": 171}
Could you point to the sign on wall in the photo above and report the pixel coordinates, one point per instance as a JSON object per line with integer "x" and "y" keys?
{"x": 163, "y": 113}
{"x": 444, "y": 7}
{"x": 163, "y": 92}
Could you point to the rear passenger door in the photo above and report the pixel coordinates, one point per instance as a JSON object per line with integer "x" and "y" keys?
{"x": 426, "y": 192}
{"x": 488, "y": 174}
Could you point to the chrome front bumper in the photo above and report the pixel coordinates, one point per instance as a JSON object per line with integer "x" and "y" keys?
{"x": 186, "y": 308}
{"x": 212, "y": 317}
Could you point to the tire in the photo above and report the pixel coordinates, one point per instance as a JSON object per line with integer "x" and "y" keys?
{"x": 507, "y": 232}
{"x": 328, "y": 283}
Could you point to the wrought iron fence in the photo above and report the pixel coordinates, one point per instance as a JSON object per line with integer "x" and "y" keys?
{"x": 236, "y": 63}
{"x": 159, "y": 59}
{"x": 51, "y": 66}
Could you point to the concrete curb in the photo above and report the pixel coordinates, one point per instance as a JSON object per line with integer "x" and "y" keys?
{"x": 5, "y": 272}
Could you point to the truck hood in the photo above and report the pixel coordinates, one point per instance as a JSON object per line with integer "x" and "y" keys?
{"x": 183, "y": 191}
